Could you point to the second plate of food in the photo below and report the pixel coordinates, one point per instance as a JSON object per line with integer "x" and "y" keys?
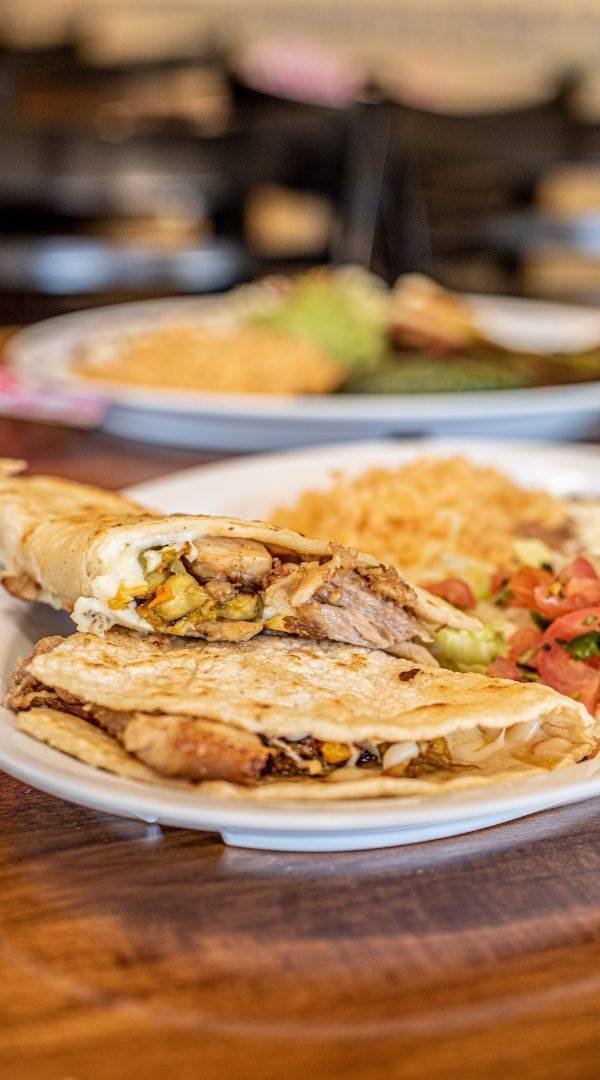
{"x": 330, "y": 355}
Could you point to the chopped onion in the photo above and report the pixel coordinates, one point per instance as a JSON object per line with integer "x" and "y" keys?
{"x": 471, "y": 747}
{"x": 525, "y": 731}
{"x": 398, "y": 753}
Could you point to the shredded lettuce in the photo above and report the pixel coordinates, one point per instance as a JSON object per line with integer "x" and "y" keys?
{"x": 468, "y": 650}
{"x": 532, "y": 552}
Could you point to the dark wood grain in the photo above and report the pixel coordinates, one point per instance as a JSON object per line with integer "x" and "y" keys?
{"x": 133, "y": 953}
{"x": 91, "y": 456}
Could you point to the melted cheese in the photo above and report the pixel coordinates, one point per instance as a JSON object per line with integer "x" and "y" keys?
{"x": 95, "y": 616}
{"x": 92, "y": 613}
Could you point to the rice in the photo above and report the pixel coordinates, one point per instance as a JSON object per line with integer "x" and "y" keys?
{"x": 418, "y": 516}
{"x": 247, "y": 359}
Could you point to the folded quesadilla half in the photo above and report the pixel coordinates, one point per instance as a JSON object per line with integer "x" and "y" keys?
{"x": 110, "y": 562}
{"x": 281, "y": 717}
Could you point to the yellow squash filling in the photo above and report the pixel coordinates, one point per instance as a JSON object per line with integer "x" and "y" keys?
{"x": 171, "y": 594}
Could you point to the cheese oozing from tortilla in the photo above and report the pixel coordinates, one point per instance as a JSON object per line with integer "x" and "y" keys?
{"x": 94, "y": 613}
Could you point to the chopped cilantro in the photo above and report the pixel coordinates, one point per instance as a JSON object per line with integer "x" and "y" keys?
{"x": 539, "y": 620}
{"x": 528, "y": 675}
{"x": 503, "y": 597}
{"x": 584, "y": 646}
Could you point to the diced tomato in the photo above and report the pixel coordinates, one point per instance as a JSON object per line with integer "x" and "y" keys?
{"x": 552, "y": 605}
{"x": 578, "y": 586}
{"x": 499, "y": 580}
{"x": 583, "y": 588}
{"x": 455, "y": 591}
{"x": 525, "y": 581}
{"x": 574, "y": 594}
{"x": 503, "y": 668}
{"x": 575, "y": 678}
{"x": 524, "y": 644}
{"x": 573, "y": 625}
{"x": 579, "y": 568}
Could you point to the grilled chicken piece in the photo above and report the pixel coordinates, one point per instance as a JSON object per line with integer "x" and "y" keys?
{"x": 193, "y": 748}
{"x": 307, "y": 579}
{"x": 187, "y": 747}
{"x": 220, "y": 590}
{"x": 246, "y": 561}
{"x": 289, "y": 586}
{"x": 229, "y": 631}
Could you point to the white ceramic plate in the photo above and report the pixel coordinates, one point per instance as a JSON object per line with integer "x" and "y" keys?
{"x": 249, "y": 488}
{"x": 259, "y": 422}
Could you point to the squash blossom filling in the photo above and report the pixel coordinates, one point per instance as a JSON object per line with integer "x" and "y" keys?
{"x": 173, "y": 597}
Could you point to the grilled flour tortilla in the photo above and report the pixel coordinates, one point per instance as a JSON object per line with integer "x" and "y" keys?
{"x": 110, "y": 562}
{"x": 281, "y": 717}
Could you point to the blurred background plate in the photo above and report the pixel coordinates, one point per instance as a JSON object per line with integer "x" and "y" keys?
{"x": 43, "y": 353}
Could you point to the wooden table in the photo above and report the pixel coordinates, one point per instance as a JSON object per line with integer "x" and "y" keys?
{"x": 134, "y": 953}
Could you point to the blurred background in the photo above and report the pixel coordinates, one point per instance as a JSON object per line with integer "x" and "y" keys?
{"x": 153, "y": 147}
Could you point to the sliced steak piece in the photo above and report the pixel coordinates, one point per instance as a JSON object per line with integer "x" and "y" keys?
{"x": 24, "y": 691}
{"x": 379, "y": 629}
{"x": 340, "y": 604}
{"x": 375, "y": 601}
{"x": 384, "y": 581}
{"x": 556, "y": 537}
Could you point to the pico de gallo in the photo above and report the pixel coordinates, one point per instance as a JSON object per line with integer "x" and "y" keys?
{"x": 544, "y": 627}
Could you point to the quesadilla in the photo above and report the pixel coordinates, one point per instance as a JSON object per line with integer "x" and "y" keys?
{"x": 286, "y": 718}
{"x": 110, "y": 562}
